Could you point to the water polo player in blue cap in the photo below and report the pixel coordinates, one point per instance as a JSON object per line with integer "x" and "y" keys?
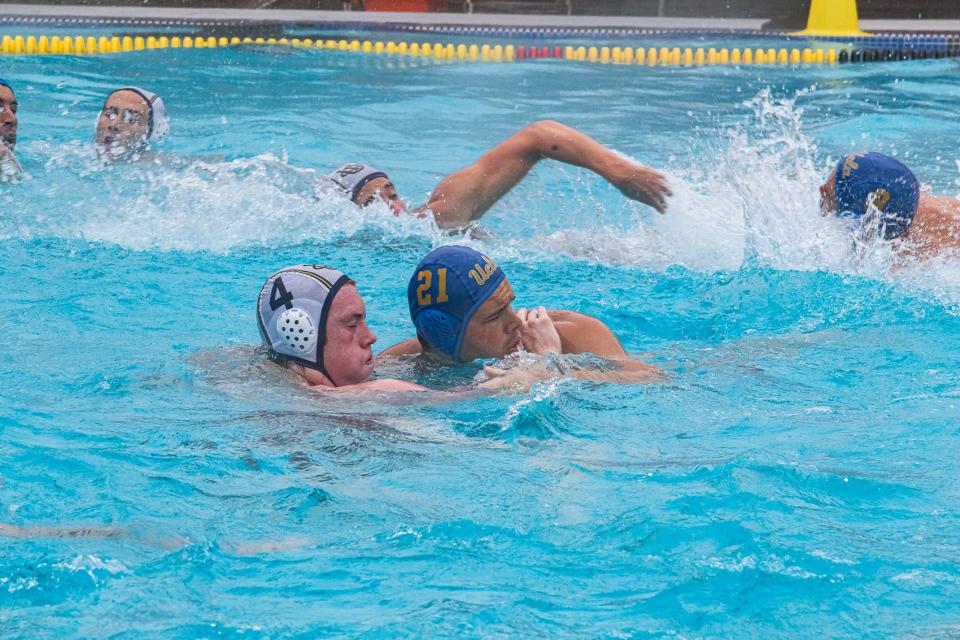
{"x": 884, "y": 195}
{"x": 130, "y": 122}
{"x": 466, "y": 195}
{"x": 460, "y": 303}
{"x": 9, "y": 167}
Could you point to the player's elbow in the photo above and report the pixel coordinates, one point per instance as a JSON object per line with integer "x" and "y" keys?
{"x": 541, "y": 135}
{"x": 546, "y": 126}
{"x": 545, "y": 130}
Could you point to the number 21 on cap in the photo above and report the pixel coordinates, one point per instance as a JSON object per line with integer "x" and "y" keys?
{"x": 425, "y": 278}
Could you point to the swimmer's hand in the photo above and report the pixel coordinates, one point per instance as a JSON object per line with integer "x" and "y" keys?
{"x": 640, "y": 183}
{"x": 538, "y": 334}
{"x": 519, "y": 378}
{"x": 9, "y": 167}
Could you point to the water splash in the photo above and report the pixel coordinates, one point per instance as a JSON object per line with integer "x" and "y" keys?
{"x": 753, "y": 200}
{"x": 194, "y": 204}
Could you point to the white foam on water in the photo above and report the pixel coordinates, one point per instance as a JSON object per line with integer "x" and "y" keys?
{"x": 90, "y": 563}
{"x": 752, "y": 198}
{"x": 195, "y": 204}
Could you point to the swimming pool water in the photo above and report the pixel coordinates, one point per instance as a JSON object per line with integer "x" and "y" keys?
{"x": 795, "y": 477}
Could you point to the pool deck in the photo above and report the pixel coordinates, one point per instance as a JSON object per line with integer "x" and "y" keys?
{"x": 160, "y": 15}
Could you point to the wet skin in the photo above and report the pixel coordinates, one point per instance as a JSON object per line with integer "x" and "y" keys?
{"x": 8, "y": 118}
{"x": 123, "y": 125}
{"x": 347, "y": 353}
{"x": 935, "y": 229}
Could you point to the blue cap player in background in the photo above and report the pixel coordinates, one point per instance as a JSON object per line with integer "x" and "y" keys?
{"x": 9, "y": 167}
{"x": 465, "y": 195}
{"x": 460, "y": 303}
{"x": 883, "y": 195}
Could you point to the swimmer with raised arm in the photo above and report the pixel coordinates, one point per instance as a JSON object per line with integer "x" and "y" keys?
{"x": 130, "y": 123}
{"x": 464, "y": 196}
{"x": 460, "y": 303}
{"x": 883, "y": 196}
{"x": 9, "y": 167}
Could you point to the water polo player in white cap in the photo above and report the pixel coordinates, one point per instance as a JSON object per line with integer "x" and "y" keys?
{"x": 464, "y": 196}
{"x": 131, "y": 121}
{"x": 313, "y": 320}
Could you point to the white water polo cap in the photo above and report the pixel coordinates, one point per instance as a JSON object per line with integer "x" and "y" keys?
{"x": 158, "y": 124}
{"x": 351, "y": 178}
{"x": 292, "y": 313}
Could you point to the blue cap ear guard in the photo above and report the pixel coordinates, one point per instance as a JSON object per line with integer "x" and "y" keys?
{"x": 892, "y": 187}
{"x": 446, "y": 289}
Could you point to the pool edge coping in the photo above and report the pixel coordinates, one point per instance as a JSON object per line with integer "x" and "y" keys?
{"x": 267, "y": 16}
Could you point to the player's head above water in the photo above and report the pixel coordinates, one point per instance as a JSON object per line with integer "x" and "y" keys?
{"x": 130, "y": 121}
{"x": 314, "y": 316}
{"x": 862, "y": 182}
{"x": 460, "y": 303}
{"x": 8, "y": 115}
{"x": 363, "y": 184}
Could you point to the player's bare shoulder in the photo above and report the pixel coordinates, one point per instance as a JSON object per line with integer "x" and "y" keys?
{"x": 581, "y": 333}
{"x": 573, "y": 319}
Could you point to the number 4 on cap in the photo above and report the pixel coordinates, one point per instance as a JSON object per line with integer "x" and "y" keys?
{"x": 279, "y": 296}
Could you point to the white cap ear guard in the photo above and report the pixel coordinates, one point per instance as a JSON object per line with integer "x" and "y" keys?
{"x": 158, "y": 124}
{"x": 292, "y": 312}
{"x": 297, "y": 330}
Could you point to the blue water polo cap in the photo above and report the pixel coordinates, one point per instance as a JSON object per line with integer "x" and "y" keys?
{"x": 893, "y": 188}
{"x": 447, "y": 288}
{"x": 7, "y": 85}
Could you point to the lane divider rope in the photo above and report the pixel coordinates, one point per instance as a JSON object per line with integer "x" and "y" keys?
{"x": 650, "y": 56}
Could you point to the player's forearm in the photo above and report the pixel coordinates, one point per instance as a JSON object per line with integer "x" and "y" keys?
{"x": 565, "y": 144}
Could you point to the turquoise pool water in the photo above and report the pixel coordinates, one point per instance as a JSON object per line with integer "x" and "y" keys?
{"x": 796, "y": 477}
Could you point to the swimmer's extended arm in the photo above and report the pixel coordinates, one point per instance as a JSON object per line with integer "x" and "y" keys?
{"x": 627, "y": 372}
{"x": 467, "y": 194}
{"x": 14, "y": 531}
{"x": 387, "y": 385}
